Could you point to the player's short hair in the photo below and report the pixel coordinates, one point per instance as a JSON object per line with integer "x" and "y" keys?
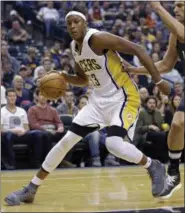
{"x": 9, "y": 90}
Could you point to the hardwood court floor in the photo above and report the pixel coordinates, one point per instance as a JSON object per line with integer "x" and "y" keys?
{"x": 89, "y": 190}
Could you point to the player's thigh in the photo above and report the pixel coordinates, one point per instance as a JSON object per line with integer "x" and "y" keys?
{"x": 125, "y": 116}
{"x": 88, "y": 120}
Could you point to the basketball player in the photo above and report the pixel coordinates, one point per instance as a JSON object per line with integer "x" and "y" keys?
{"x": 114, "y": 102}
{"x": 175, "y": 49}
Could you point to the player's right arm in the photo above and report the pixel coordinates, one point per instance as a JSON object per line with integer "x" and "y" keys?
{"x": 166, "y": 64}
{"x": 80, "y": 79}
{"x": 102, "y": 41}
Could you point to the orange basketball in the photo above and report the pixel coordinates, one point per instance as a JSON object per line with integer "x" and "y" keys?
{"x": 53, "y": 85}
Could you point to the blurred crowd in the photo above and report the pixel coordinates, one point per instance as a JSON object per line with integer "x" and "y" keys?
{"x": 34, "y": 41}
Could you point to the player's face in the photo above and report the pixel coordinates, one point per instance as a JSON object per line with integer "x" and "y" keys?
{"x": 179, "y": 11}
{"x": 76, "y": 27}
{"x": 11, "y": 98}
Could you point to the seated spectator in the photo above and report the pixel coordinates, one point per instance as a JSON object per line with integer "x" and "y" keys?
{"x": 68, "y": 107}
{"x": 28, "y": 83}
{"x": 49, "y": 16}
{"x": 31, "y": 59}
{"x": 169, "y": 112}
{"x": 3, "y": 34}
{"x": 56, "y": 53}
{"x": 143, "y": 92}
{"x": 10, "y": 66}
{"x": 17, "y": 34}
{"x": 178, "y": 88}
{"x": 150, "y": 127}
{"x": 47, "y": 66}
{"x": 22, "y": 93}
{"x": 14, "y": 16}
{"x": 15, "y": 130}
{"x": 3, "y": 96}
{"x": 96, "y": 14}
{"x": 45, "y": 118}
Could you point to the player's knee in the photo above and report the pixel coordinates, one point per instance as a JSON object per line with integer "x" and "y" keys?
{"x": 68, "y": 141}
{"x": 178, "y": 124}
{"x": 109, "y": 143}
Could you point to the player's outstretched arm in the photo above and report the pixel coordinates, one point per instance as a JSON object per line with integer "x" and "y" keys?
{"x": 80, "y": 79}
{"x": 105, "y": 41}
{"x": 172, "y": 24}
{"x": 163, "y": 66}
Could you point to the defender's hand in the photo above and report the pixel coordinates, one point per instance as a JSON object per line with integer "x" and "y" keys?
{"x": 155, "y": 4}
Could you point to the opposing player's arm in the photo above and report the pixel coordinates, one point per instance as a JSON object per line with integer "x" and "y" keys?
{"x": 172, "y": 24}
{"x": 79, "y": 79}
{"x": 166, "y": 64}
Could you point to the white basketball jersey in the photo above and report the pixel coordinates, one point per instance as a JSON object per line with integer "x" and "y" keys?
{"x": 105, "y": 71}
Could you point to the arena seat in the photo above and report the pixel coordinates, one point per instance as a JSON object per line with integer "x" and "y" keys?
{"x": 66, "y": 120}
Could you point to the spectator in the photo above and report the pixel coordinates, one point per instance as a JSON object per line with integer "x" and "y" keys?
{"x": 47, "y": 66}
{"x": 10, "y": 66}
{"x": 49, "y": 16}
{"x": 178, "y": 88}
{"x": 17, "y": 34}
{"x": 22, "y": 93}
{"x": 14, "y": 16}
{"x": 96, "y": 14}
{"x": 68, "y": 107}
{"x": 3, "y": 34}
{"x": 31, "y": 59}
{"x": 56, "y": 53}
{"x": 150, "y": 127}
{"x": 3, "y": 96}
{"x": 15, "y": 130}
{"x": 28, "y": 83}
{"x": 143, "y": 92}
{"x": 45, "y": 118}
{"x": 171, "y": 109}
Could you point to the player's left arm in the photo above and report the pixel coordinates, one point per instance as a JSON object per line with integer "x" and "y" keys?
{"x": 105, "y": 41}
{"x": 172, "y": 24}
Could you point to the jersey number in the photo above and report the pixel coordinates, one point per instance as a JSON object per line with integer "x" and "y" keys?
{"x": 94, "y": 80}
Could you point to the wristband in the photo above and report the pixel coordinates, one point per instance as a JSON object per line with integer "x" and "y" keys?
{"x": 159, "y": 82}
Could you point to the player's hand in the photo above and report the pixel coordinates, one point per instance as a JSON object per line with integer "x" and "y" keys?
{"x": 64, "y": 74}
{"x": 164, "y": 87}
{"x": 155, "y": 4}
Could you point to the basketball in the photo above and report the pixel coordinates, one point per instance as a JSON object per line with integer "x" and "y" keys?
{"x": 53, "y": 85}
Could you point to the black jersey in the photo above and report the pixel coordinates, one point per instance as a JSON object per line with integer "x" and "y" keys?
{"x": 181, "y": 52}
